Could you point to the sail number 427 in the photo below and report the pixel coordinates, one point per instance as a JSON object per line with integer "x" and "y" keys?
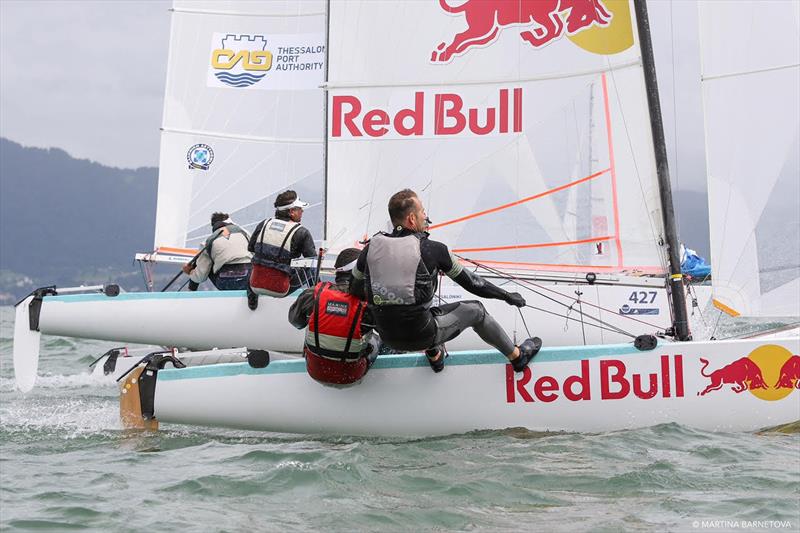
{"x": 642, "y": 297}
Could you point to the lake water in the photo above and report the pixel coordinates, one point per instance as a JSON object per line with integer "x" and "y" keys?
{"x": 66, "y": 464}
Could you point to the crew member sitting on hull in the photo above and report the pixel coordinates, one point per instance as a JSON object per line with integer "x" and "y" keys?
{"x": 401, "y": 270}
{"x": 275, "y": 242}
{"x": 225, "y": 259}
{"x": 339, "y": 347}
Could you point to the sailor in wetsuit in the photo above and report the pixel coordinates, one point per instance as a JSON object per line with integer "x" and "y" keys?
{"x": 401, "y": 270}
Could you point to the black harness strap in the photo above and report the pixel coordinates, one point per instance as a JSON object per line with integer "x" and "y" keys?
{"x": 209, "y": 244}
{"x": 263, "y": 229}
{"x": 317, "y": 292}
{"x": 288, "y": 236}
{"x": 356, "y": 320}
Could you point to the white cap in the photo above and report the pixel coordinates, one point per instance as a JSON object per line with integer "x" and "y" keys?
{"x": 348, "y": 267}
{"x": 296, "y": 203}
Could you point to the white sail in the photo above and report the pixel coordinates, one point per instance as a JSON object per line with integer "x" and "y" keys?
{"x": 751, "y": 83}
{"x": 243, "y": 113}
{"x": 493, "y": 128}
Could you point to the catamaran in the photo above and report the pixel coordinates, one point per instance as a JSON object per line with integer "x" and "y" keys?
{"x": 533, "y": 134}
{"x": 575, "y": 223}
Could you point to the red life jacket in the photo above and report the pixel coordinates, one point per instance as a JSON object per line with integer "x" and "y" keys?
{"x": 271, "y": 275}
{"x": 269, "y": 281}
{"x": 333, "y": 338}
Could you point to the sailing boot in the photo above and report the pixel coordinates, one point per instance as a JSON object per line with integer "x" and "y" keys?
{"x": 252, "y": 299}
{"x": 438, "y": 365}
{"x": 527, "y": 350}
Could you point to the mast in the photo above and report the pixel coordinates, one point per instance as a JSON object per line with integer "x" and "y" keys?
{"x": 680, "y": 323}
{"x": 325, "y": 133}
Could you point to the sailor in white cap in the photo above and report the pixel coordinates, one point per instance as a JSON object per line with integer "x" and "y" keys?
{"x": 275, "y": 242}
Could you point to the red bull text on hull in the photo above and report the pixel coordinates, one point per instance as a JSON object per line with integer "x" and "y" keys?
{"x": 616, "y": 382}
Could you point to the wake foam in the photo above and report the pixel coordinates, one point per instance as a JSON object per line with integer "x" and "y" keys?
{"x": 67, "y": 417}
{"x": 68, "y": 381}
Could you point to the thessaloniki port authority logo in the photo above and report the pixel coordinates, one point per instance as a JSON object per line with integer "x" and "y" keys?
{"x": 240, "y": 60}
{"x": 200, "y": 157}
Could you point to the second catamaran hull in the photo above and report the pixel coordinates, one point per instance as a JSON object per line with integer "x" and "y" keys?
{"x": 743, "y": 387}
{"x": 215, "y": 319}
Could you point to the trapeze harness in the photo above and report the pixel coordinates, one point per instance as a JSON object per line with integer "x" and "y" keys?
{"x": 272, "y": 259}
{"x": 400, "y": 291}
{"x": 334, "y": 346}
{"x": 230, "y": 276}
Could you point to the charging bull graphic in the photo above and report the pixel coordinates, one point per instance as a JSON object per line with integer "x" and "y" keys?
{"x": 790, "y": 374}
{"x": 743, "y": 374}
{"x": 485, "y": 19}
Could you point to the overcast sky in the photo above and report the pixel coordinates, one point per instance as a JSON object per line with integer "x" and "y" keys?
{"x": 85, "y": 76}
{"x": 88, "y": 77}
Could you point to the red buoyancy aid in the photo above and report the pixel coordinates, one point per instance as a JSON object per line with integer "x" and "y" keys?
{"x": 334, "y": 343}
{"x": 269, "y": 281}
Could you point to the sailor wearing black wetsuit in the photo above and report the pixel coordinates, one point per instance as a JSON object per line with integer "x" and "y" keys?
{"x": 400, "y": 272}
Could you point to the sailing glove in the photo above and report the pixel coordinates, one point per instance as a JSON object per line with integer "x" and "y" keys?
{"x": 515, "y": 299}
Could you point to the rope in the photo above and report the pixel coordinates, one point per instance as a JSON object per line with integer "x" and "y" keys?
{"x": 524, "y": 323}
{"x": 598, "y": 326}
{"x": 580, "y": 310}
{"x": 714, "y": 331}
{"x": 695, "y": 305}
{"x": 530, "y": 283}
{"x": 610, "y": 327}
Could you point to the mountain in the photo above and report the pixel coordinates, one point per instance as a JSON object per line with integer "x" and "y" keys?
{"x": 70, "y": 221}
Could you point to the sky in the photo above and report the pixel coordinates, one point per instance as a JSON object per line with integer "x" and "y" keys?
{"x": 85, "y": 76}
{"x": 88, "y": 77}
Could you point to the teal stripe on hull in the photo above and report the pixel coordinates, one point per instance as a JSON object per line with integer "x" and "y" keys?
{"x": 129, "y": 296}
{"x": 477, "y": 357}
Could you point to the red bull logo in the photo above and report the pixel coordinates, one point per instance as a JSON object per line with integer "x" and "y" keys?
{"x": 547, "y": 20}
{"x": 790, "y": 374}
{"x": 769, "y": 372}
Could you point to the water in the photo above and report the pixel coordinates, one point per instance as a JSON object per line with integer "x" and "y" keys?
{"x": 66, "y": 464}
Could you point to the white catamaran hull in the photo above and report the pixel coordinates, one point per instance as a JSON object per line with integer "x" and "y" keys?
{"x": 216, "y": 319}
{"x": 746, "y": 385}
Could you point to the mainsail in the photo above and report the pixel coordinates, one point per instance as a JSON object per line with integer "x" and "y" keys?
{"x": 751, "y": 82}
{"x": 243, "y": 114}
{"x": 526, "y": 133}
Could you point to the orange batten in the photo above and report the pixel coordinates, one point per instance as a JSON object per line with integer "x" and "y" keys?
{"x": 724, "y": 308}
{"x": 521, "y": 201}
{"x": 613, "y": 169}
{"x": 178, "y": 251}
{"x": 537, "y": 245}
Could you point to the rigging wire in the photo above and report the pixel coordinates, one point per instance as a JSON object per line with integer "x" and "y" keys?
{"x": 567, "y": 317}
{"x": 525, "y": 324}
{"x": 716, "y": 324}
{"x": 610, "y": 327}
{"x": 569, "y": 307}
{"x": 531, "y": 283}
{"x": 674, "y": 106}
{"x": 656, "y": 238}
